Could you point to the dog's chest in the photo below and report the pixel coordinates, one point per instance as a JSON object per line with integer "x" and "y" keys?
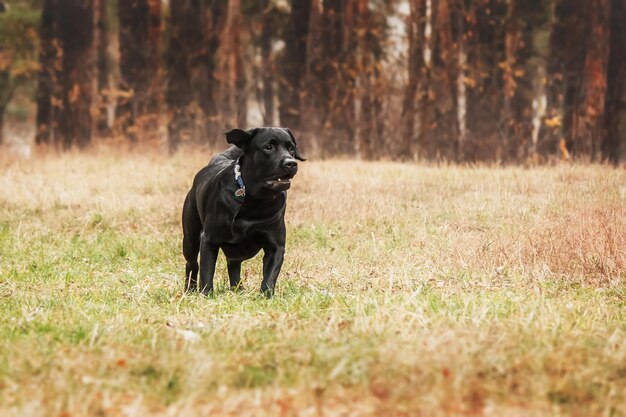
{"x": 248, "y": 235}
{"x": 246, "y": 224}
{"x": 241, "y": 251}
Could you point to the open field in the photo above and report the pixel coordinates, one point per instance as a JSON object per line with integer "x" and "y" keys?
{"x": 406, "y": 290}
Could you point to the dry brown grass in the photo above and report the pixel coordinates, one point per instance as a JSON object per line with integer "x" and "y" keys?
{"x": 407, "y": 290}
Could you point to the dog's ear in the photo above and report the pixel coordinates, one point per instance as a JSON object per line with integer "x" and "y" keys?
{"x": 240, "y": 138}
{"x": 296, "y": 153}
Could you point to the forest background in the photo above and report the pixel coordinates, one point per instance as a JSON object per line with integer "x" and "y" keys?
{"x": 457, "y": 80}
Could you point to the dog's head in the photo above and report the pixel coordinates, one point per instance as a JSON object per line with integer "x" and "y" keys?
{"x": 270, "y": 158}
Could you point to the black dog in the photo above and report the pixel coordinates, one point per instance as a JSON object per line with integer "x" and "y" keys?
{"x": 237, "y": 203}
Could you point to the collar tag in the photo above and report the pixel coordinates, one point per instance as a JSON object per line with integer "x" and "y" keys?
{"x": 241, "y": 192}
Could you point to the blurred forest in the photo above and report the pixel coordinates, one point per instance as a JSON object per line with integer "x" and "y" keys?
{"x": 452, "y": 80}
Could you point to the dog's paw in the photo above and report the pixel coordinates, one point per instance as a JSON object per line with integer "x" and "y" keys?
{"x": 267, "y": 293}
{"x": 237, "y": 288}
{"x": 189, "y": 289}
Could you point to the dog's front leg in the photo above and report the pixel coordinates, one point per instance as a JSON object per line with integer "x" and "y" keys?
{"x": 208, "y": 258}
{"x": 272, "y": 262}
{"x": 234, "y": 275}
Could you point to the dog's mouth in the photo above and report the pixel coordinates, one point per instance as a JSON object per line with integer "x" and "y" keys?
{"x": 279, "y": 184}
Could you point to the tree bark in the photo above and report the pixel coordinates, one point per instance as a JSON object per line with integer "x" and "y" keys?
{"x": 77, "y": 26}
{"x": 459, "y": 13}
{"x": 367, "y": 102}
{"x": 567, "y": 44}
{"x": 539, "y": 25}
{"x": 426, "y": 90}
{"x": 485, "y": 54}
{"x": 441, "y": 134}
{"x": 139, "y": 38}
{"x": 415, "y": 65}
{"x": 4, "y": 80}
{"x": 335, "y": 70}
{"x": 103, "y": 68}
{"x": 513, "y": 129}
{"x": 267, "y": 65}
{"x": 195, "y": 30}
{"x": 6, "y": 92}
{"x": 615, "y": 108}
{"x": 50, "y": 70}
{"x": 238, "y": 70}
{"x": 524, "y": 75}
{"x": 588, "y": 117}
{"x": 204, "y": 67}
{"x": 2, "y": 112}
{"x": 102, "y": 27}
{"x": 237, "y": 98}
{"x": 155, "y": 34}
{"x": 178, "y": 94}
{"x": 326, "y": 66}
{"x": 294, "y": 63}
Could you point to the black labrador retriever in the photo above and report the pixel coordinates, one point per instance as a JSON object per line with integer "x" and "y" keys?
{"x": 237, "y": 203}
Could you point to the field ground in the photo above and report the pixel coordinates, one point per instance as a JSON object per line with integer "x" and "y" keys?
{"x": 406, "y": 290}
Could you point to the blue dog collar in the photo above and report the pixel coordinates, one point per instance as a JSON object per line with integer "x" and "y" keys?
{"x": 241, "y": 192}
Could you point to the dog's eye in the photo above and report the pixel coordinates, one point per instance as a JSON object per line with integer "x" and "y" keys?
{"x": 291, "y": 149}
{"x": 268, "y": 147}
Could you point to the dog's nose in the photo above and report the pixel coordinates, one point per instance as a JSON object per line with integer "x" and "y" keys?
{"x": 290, "y": 164}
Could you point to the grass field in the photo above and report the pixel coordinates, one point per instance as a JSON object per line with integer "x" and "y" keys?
{"x": 406, "y": 290}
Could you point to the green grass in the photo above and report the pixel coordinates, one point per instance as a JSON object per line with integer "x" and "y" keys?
{"x": 406, "y": 290}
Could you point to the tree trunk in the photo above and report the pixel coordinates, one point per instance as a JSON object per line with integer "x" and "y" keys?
{"x": 340, "y": 76}
{"x": 328, "y": 56}
{"x": 539, "y": 23}
{"x": 441, "y": 134}
{"x": 415, "y": 65}
{"x": 514, "y": 131}
{"x": 485, "y": 53}
{"x": 528, "y": 29}
{"x": 102, "y": 27}
{"x": 565, "y": 65}
{"x": 194, "y": 38}
{"x": 77, "y": 26}
{"x": 237, "y": 98}
{"x": 102, "y": 45}
{"x": 531, "y": 91}
{"x": 204, "y": 67}
{"x": 6, "y": 92}
{"x": 267, "y": 65}
{"x": 459, "y": 14}
{"x": 133, "y": 44}
{"x": 426, "y": 91}
{"x": 178, "y": 94}
{"x": 2, "y": 111}
{"x": 615, "y": 108}
{"x": 367, "y": 102}
{"x": 139, "y": 38}
{"x": 50, "y": 71}
{"x": 3, "y": 108}
{"x": 238, "y": 69}
{"x": 155, "y": 33}
{"x": 294, "y": 63}
{"x": 588, "y": 117}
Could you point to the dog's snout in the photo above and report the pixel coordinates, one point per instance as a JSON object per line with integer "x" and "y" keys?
{"x": 290, "y": 164}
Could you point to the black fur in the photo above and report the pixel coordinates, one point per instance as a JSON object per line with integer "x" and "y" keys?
{"x": 215, "y": 217}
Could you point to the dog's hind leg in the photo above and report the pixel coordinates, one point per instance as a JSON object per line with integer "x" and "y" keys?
{"x": 192, "y": 227}
{"x": 234, "y": 275}
{"x": 208, "y": 258}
